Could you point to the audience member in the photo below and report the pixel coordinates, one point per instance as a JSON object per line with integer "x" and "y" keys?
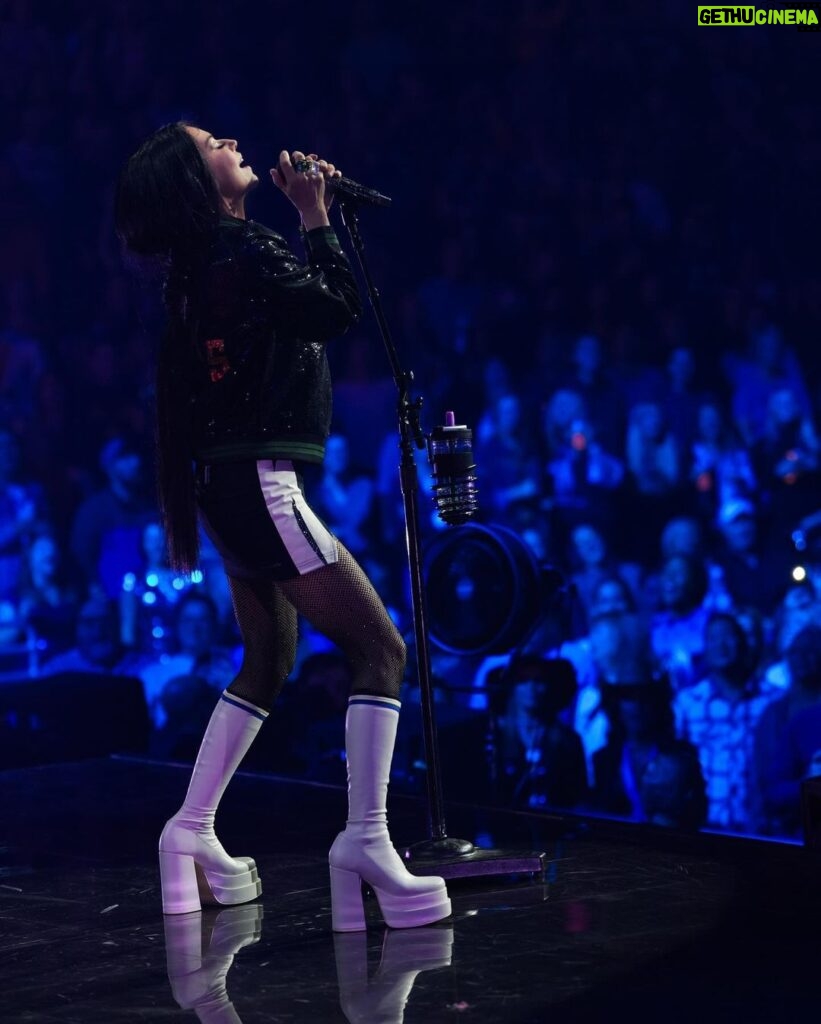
{"x": 640, "y": 749}
{"x": 98, "y": 647}
{"x": 364, "y": 401}
{"x": 344, "y": 499}
{"x": 593, "y": 566}
{"x": 509, "y": 466}
{"x": 48, "y": 602}
{"x": 616, "y": 650}
{"x": 799, "y": 608}
{"x": 721, "y": 469}
{"x": 590, "y": 378}
{"x": 539, "y": 760}
{"x": 107, "y": 529}
{"x": 317, "y": 699}
{"x": 498, "y": 382}
{"x": 788, "y": 740}
{"x": 654, "y": 478}
{"x": 719, "y": 716}
{"x": 582, "y": 475}
{"x": 752, "y": 622}
{"x": 787, "y": 457}
{"x": 683, "y": 535}
{"x": 677, "y": 628}
{"x": 672, "y": 790}
{"x": 652, "y": 452}
{"x": 681, "y": 401}
{"x": 755, "y": 573}
{"x": 19, "y": 515}
{"x": 184, "y": 705}
{"x": 768, "y": 366}
{"x": 562, "y": 410}
{"x": 197, "y": 654}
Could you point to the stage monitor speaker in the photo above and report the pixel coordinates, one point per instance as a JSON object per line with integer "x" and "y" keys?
{"x": 71, "y": 716}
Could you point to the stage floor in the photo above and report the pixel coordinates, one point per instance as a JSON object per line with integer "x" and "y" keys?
{"x": 626, "y": 924}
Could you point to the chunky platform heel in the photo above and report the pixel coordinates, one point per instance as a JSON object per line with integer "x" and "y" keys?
{"x": 405, "y": 900}
{"x": 178, "y": 882}
{"x": 188, "y": 886}
{"x": 347, "y": 903}
{"x": 195, "y": 872}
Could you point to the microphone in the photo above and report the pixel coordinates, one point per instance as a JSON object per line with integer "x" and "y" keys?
{"x": 450, "y": 452}
{"x": 346, "y": 188}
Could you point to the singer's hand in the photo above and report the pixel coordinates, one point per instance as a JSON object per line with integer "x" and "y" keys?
{"x": 305, "y": 190}
{"x": 329, "y": 171}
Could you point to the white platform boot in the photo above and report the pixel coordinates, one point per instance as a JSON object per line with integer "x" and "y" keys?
{"x": 195, "y": 870}
{"x": 364, "y": 852}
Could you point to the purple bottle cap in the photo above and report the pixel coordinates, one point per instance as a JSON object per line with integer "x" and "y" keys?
{"x": 450, "y": 419}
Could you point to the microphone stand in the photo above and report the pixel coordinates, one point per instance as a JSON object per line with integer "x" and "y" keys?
{"x": 440, "y": 854}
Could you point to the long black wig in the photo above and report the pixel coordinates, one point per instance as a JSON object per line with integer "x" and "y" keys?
{"x": 167, "y": 207}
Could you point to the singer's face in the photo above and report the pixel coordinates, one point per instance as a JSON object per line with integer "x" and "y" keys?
{"x": 224, "y": 161}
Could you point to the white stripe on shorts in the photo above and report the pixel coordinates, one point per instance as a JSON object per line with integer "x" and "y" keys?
{"x": 306, "y": 540}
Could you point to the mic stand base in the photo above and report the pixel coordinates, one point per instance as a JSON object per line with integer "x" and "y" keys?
{"x": 457, "y": 858}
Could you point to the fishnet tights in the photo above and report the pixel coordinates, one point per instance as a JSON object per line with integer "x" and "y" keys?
{"x": 268, "y": 625}
{"x": 340, "y": 602}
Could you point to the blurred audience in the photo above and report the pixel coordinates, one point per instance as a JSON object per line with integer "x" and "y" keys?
{"x": 606, "y": 307}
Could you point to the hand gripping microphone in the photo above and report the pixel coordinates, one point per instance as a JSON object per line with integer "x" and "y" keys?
{"x": 346, "y": 187}
{"x": 450, "y": 452}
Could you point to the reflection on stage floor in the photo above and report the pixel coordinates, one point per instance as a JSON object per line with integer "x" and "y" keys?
{"x": 624, "y": 922}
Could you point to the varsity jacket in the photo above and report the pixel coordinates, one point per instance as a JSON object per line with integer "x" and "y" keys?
{"x": 262, "y": 386}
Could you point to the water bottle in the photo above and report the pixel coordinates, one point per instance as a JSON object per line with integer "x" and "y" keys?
{"x": 450, "y": 451}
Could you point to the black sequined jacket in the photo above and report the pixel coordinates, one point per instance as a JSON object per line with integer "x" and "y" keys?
{"x": 263, "y": 387}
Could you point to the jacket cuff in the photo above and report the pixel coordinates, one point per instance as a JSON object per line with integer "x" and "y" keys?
{"x": 321, "y": 241}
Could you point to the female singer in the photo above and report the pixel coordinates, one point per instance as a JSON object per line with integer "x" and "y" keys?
{"x": 243, "y": 400}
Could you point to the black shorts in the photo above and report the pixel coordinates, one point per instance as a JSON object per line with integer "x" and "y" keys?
{"x": 256, "y": 515}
